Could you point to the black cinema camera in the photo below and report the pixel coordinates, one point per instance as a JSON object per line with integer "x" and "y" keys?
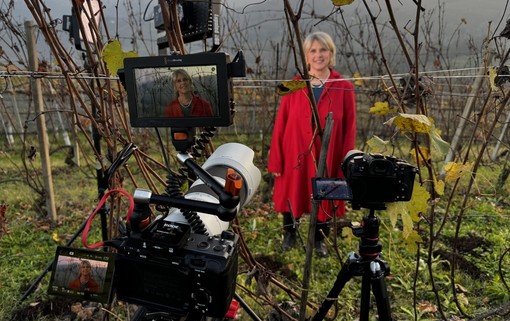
{"x": 183, "y": 263}
{"x": 169, "y": 268}
{"x": 371, "y": 180}
{"x": 177, "y": 264}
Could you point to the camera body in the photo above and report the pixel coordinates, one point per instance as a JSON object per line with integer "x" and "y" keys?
{"x": 170, "y": 265}
{"x": 376, "y": 179}
{"x": 169, "y": 268}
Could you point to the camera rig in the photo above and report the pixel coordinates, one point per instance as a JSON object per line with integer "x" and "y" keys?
{"x": 371, "y": 181}
{"x": 170, "y": 266}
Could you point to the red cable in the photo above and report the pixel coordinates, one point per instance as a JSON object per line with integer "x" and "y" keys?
{"x": 99, "y": 206}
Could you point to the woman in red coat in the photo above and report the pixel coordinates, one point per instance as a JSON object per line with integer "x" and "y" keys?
{"x": 294, "y": 152}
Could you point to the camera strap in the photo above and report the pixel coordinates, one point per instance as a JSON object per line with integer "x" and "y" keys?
{"x": 98, "y": 208}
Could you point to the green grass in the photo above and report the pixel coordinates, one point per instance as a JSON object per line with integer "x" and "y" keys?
{"x": 30, "y": 244}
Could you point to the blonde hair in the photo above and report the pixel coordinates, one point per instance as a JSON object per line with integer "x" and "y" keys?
{"x": 85, "y": 263}
{"x": 325, "y": 40}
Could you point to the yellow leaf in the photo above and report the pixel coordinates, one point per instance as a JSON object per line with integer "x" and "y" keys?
{"x": 357, "y": 80}
{"x": 418, "y": 202}
{"x": 417, "y": 123}
{"x": 381, "y": 108}
{"x": 409, "y": 234}
{"x": 288, "y": 87}
{"x": 455, "y": 170}
{"x": 422, "y": 157}
{"x": 113, "y": 56}
{"x": 493, "y": 73}
{"x": 411, "y": 241}
{"x": 413, "y": 123}
{"x": 341, "y": 2}
{"x": 378, "y": 145}
{"x": 407, "y": 224}
{"x": 394, "y": 209}
{"x": 55, "y": 237}
{"x": 439, "y": 186}
{"x": 347, "y": 237}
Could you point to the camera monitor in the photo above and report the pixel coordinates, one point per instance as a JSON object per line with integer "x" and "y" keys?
{"x": 178, "y": 91}
{"x": 82, "y": 274}
{"x": 324, "y": 188}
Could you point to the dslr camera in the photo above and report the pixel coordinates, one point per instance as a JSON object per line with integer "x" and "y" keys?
{"x": 376, "y": 179}
{"x": 371, "y": 180}
{"x": 168, "y": 268}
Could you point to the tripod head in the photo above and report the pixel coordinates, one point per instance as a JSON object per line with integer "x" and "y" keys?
{"x": 370, "y": 247}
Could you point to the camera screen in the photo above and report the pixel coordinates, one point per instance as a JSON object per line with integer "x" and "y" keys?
{"x": 178, "y": 91}
{"x": 158, "y": 91}
{"x": 331, "y": 189}
{"x": 82, "y": 274}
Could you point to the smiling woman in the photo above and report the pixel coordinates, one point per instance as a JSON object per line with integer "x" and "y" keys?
{"x": 187, "y": 102}
{"x": 295, "y": 146}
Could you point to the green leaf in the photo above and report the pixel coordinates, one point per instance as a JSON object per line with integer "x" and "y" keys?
{"x": 438, "y": 144}
{"x": 378, "y": 145}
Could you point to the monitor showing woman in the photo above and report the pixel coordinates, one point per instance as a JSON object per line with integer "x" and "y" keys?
{"x": 187, "y": 102}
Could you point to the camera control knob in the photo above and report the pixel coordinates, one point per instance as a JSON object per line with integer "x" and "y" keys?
{"x": 203, "y": 245}
{"x": 228, "y": 235}
{"x": 202, "y": 297}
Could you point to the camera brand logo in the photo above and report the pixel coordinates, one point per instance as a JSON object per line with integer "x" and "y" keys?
{"x": 171, "y": 226}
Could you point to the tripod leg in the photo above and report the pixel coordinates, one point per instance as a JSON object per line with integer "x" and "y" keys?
{"x": 366, "y": 281}
{"x": 246, "y": 308}
{"x": 380, "y": 292}
{"x": 342, "y": 278}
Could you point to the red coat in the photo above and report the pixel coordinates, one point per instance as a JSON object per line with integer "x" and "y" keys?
{"x": 90, "y": 285}
{"x": 291, "y": 154}
{"x": 199, "y": 107}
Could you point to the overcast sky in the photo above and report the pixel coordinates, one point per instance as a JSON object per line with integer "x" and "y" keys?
{"x": 266, "y": 16}
{"x": 477, "y": 13}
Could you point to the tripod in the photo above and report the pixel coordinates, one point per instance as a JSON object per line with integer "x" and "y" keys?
{"x": 369, "y": 266}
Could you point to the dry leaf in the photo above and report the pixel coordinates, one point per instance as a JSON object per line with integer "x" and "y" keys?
{"x": 288, "y": 87}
